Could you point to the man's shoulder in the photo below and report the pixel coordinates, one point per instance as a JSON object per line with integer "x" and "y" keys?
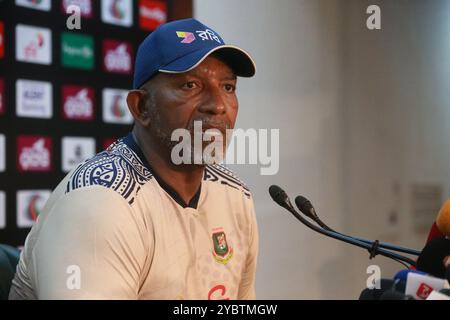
{"x": 224, "y": 176}
{"x": 117, "y": 168}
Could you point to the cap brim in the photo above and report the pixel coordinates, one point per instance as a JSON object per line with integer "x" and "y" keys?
{"x": 238, "y": 59}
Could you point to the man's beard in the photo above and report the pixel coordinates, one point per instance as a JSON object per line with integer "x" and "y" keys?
{"x": 196, "y": 155}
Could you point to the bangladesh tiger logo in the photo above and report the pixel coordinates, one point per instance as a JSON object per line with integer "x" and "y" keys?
{"x": 223, "y": 252}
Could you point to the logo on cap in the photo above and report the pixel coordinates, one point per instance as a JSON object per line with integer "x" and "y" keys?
{"x": 188, "y": 37}
{"x": 208, "y": 34}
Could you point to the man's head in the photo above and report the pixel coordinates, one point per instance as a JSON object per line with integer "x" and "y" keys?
{"x": 184, "y": 73}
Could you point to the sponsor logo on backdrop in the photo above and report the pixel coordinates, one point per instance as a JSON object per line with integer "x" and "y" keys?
{"x": 2, "y": 210}
{"x": 75, "y": 150}
{"x": 84, "y": 5}
{"x": 33, "y": 44}
{"x": 2, "y": 153}
{"x": 108, "y": 142}
{"x": 34, "y": 154}
{"x": 152, "y": 14}
{"x": 2, "y": 40}
{"x": 29, "y": 206}
{"x": 77, "y": 51}
{"x": 118, "y": 12}
{"x": 34, "y": 99}
{"x": 2, "y": 97}
{"x": 115, "y": 108}
{"x": 117, "y": 56}
{"x": 78, "y": 103}
{"x": 43, "y": 5}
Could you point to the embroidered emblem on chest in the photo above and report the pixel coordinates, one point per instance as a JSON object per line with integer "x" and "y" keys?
{"x": 223, "y": 252}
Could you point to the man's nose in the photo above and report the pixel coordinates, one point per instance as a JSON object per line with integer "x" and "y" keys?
{"x": 213, "y": 102}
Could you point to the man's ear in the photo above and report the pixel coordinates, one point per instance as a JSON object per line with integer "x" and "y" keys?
{"x": 137, "y": 105}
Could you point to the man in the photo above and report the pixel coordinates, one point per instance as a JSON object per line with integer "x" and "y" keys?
{"x": 131, "y": 224}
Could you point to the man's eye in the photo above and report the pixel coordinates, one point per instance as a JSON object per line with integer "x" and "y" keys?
{"x": 190, "y": 85}
{"x": 230, "y": 88}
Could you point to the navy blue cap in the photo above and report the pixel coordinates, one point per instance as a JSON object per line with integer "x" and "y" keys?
{"x": 180, "y": 46}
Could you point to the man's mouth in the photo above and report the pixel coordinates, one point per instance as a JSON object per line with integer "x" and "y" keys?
{"x": 212, "y": 126}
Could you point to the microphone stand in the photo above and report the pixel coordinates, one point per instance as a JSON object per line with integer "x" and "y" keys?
{"x": 312, "y": 215}
{"x": 283, "y": 201}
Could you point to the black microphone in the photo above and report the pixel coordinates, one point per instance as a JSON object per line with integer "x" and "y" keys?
{"x": 395, "y": 295}
{"x": 306, "y": 207}
{"x": 431, "y": 260}
{"x": 445, "y": 291}
{"x": 279, "y": 196}
{"x": 447, "y": 273}
{"x": 282, "y": 199}
{"x": 385, "y": 285}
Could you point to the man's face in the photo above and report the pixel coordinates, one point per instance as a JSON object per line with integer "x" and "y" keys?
{"x": 206, "y": 94}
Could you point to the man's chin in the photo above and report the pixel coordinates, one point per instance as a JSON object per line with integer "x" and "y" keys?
{"x": 202, "y": 158}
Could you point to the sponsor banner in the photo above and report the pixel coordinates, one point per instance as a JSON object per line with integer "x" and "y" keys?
{"x": 2, "y": 40}
{"x": 2, "y": 97}
{"x": 34, "y": 154}
{"x": 29, "y": 205}
{"x": 75, "y": 150}
{"x": 33, "y": 44}
{"x": 108, "y": 142}
{"x": 117, "y": 57}
{"x": 117, "y": 12}
{"x": 77, "y": 51}
{"x": 34, "y": 99}
{"x": 2, "y": 153}
{"x": 43, "y": 5}
{"x": 86, "y": 9}
{"x": 152, "y": 14}
{"x": 2, "y": 210}
{"x": 115, "y": 109}
{"x": 78, "y": 103}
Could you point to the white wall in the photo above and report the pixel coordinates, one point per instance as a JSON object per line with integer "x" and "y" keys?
{"x": 296, "y": 90}
{"x": 362, "y": 115}
{"x": 397, "y": 113}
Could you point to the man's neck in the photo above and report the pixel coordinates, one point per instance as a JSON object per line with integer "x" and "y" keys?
{"x": 184, "y": 179}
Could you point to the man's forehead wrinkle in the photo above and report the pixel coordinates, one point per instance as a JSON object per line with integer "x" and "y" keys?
{"x": 211, "y": 69}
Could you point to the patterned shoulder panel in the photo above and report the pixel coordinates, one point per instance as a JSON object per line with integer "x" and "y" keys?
{"x": 117, "y": 168}
{"x": 220, "y": 174}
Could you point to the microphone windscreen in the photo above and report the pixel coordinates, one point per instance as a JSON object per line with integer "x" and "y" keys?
{"x": 403, "y": 274}
{"x": 431, "y": 259}
{"x": 443, "y": 219}
{"x": 277, "y": 194}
